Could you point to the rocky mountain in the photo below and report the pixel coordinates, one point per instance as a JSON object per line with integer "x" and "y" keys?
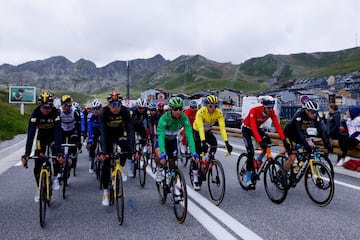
{"x": 58, "y": 73}
{"x": 187, "y": 73}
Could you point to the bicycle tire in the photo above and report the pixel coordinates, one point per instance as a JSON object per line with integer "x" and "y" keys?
{"x": 42, "y": 199}
{"x": 241, "y": 170}
{"x": 162, "y": 190}
{"x": 216, "y": 182}
{"x": 325, "y": 160}
{"x": 322, "y": 182}
{"x": 275, "y": 181}
{"x": 65, "y": 177}
{"x": 135, "y": 163}
{"x": 179, "y": 196}
{"x": 142, "y": 171}
{"x": 119, "y": 197}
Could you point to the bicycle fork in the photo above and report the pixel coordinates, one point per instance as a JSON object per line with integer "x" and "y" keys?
{"x": 47, "y": 177}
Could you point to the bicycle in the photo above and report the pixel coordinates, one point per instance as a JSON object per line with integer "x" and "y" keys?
{"x": 65, "y": 168}
{"x": 140, "y": 162}
{"x": 44, "y": 187}
{"x": 174, "y": 183}
{"x": 116, "y": 186}
{"x": 310, "y": 165}
{"x": 274, "y": 174}
{"x": 150, "y": 155}
{"x": 211, "y": 170}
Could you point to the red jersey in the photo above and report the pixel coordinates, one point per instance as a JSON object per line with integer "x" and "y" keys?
{"x": 191, "y": 115}
{"x": 257, "y": 117}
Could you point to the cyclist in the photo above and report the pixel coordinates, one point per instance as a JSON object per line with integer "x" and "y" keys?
{"x": 86, "y": 111}
{"x": 138, "y": 115}
{"x": 71, "y": 125}
{"x": 45, "y": 118}
{"x": 115, "y": 127}
{"x": 93, "y": 131}
{"x": 168, "y": 127}
{"x": 295, "y": 130}
{"x": 191, "y": 113}
{"x": 160, "y": 106}
{"x": 251, "y": 127}
{"x": 205, "y": 118}
{"x": 76, "y": 106}
{"x": 152, "y": 120}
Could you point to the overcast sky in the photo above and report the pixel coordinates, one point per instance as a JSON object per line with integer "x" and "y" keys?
{"x": 221, "y": 30}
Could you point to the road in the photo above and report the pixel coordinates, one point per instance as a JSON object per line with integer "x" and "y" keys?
{"x": 242, "y": 215}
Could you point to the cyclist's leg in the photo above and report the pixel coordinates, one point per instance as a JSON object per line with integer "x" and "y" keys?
{"x": 105, "y": 180}
{"x": 171, "y": 151}
{"x": 247, "y": 134}
{"x": 211, "y": 140}
{"x": 125, "y": 158}
{"x": 195, "y": 165}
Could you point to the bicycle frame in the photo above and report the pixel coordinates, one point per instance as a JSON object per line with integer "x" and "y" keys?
{"x": 44, "y": 169}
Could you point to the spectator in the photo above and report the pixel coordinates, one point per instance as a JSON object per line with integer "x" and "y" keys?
{"x": 353, "y": 128}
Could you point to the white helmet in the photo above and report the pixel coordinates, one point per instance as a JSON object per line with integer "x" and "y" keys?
{"x": 75, "y": 104}
{"x": 96, "y": 103}
{"x": 141, "y": 102}
{"x": 268, "y": 101}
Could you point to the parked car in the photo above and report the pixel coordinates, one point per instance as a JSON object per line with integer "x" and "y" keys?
{"x": 233, "y": 119}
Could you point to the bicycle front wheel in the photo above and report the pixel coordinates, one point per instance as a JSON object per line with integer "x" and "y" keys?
{"x": 179, "y": 196}
{"x": 327, "y": 162}
{"x": 275, "y": 181}
{"x": 42, "y": 199}
{"x": 142, "y": 170}
{"x": 216, "y": 182}
{"x": 319, "y": 184}
{"x": 119, "y": 197}
{"x": 241, "y": 170}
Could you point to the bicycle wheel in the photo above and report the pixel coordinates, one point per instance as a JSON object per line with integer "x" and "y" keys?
{"x": 42, "y": 199}
{"x": 216, "y": 182}
{"x": 319, "y": 184}
{"x": 241, "y": 170}
{"x": 275, "y": 181}
{"x": 191, "y": 175}
{"x": 327, "y": 162}
{"x": 65, "y": 177}
{"x": 179, "y": 196}
{"x": 162, "y": 190}
{"x": 119, "y": 197}
{"x": 142, "y": 170}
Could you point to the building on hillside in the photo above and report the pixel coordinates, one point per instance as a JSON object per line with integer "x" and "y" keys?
{"x": 230, "y": 97}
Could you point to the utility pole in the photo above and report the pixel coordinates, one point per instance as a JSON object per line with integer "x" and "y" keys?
{"x": 128, "y": 80}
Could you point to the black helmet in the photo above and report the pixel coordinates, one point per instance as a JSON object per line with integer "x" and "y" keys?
{"x": 114, "y": 97}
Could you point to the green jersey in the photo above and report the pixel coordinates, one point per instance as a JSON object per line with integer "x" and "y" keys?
{"x": 168, "y": 128}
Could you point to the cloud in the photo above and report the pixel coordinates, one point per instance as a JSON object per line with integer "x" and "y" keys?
{"x": 224, "y": 31}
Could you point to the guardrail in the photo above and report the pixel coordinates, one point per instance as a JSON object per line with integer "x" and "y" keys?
{"x": 236, "y": 132}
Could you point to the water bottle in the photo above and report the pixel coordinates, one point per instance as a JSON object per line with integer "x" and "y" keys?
{"x": 168, "y": 176}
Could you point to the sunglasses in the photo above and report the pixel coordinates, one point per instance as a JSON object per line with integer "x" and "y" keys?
{"x": 177, "y": 109}
{"x": 269, "y": 107}
{"x": 212, "y": 106}
{"x": 313, "y": 111}
{"x": 66, "y": 105}
{"x": 141, "y": 108}
{"x": 115, "y": 104}
{"x": 152, "y": 110}
{"x": 193, "y": 107}
{"x": 45, "y": 107}
{"x": 95, "y": 108}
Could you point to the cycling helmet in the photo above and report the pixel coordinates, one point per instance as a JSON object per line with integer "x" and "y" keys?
{"x": 268, "y": 101}
{"x": 88, "y": 105}
{"x": 141, "y": 102}
{"x": 193, "y": 103}
{"x": 311, "y": 105}
{"x": 152, "y": 106}
{"x": 114, "y": 97}
{"x": 46, "y": 98}
{"x": 212, "y": 99}
{"x": 96, "y": 104}
{"x": 160, "y": 104}
{"x": 66, "y": 99}
{"x": 75, "y": 105}
{"x": 176, "y": 102}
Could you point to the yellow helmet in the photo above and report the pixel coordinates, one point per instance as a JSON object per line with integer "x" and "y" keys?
{"x": 45, "y": 98}
{"x": 66, "y": 99}
{"x": 212, "y": 99}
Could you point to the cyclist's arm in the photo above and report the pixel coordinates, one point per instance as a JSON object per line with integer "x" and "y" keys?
{"x": 222, "y": 128}
{"x": 161, "y": 128}
{"x": 90, "y": 127}
{"x": 277, "y": 125}
{"x": 30, "y": 134}
{"x": 102, "y": 128}
{"x": 130, "y": 131}
{"x": 199, "y": 124}
{"x": 57, "y": 133}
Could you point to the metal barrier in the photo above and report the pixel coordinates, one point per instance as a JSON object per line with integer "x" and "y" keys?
{"x": 236, "y": 132}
